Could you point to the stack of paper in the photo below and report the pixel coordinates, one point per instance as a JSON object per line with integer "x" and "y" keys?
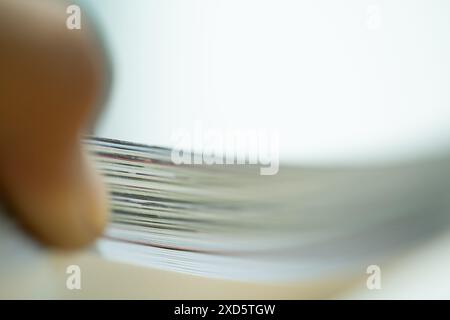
{"x": 229, "y": 221}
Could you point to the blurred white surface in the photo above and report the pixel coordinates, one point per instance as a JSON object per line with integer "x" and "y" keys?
{"x": 423, "y": 273}
{"x": 30, "y": 271}
{"x": 342, "y": 81}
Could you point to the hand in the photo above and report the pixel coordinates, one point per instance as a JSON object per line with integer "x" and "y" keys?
{"x": 51, "y": 79}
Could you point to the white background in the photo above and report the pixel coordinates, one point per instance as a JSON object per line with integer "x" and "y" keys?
{"x": 342, "y": 81}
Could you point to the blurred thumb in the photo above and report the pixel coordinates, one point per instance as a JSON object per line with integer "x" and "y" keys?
{"x": 52, "y": 79}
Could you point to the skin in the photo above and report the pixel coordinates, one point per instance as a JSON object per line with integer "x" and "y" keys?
{"x": 52, "y": 81}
